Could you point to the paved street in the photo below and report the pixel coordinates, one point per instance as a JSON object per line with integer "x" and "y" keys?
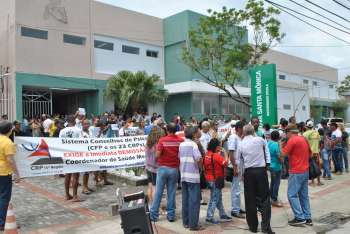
{"x": 41, "y": 208}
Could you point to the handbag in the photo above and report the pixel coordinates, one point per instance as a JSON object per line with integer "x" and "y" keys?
{"x": 229, "y": 174}
{"x": 314, "y": 169}
{"x": 219, "y": 181}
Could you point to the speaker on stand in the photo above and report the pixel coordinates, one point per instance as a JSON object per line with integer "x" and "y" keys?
{"x": 135, "y": 216}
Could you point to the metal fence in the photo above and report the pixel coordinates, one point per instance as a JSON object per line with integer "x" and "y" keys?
{"x": 36, "y": 103}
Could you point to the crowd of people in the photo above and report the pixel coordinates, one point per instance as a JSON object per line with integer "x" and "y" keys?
{"x": 194, "y": 157}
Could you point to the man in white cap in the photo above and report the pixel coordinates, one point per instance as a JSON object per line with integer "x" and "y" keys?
{"x": 314, "y": 138}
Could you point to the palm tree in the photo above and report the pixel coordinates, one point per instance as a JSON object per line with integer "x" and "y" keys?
{"x": 134, "y": 91}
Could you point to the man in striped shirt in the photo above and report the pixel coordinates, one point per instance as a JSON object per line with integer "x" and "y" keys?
{"x": 190, "y": 161}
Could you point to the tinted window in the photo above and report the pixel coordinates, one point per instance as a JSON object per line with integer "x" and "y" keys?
{"x": 151, "y": 53}
{"x": 130, "y": 49}
{"x": 336, "y": 120}
{"x": 34, "y": 33}
{"x": 286, "y": 107}
{"x": 305, "y": 81}
{"x": 103, "y": 45}
{"x": 314, "y": 83}
{"x": 74, "y": 39}
{"x": 282, "y": 77}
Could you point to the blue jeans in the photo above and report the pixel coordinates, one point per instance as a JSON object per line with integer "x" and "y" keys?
{"x": 326, "y": 165}
{"x": 215, "y": 201}
{"x": 275, "y": 184}
{"x": 166, "y": 176}
{"x": 5, "y": 197}
{"x": 298, "y": 195}
{"x": 345, "y": 158}
{"x": 236, "y": 195}
{"x": 191, "y": 199}
{"x": 338, "y": 159}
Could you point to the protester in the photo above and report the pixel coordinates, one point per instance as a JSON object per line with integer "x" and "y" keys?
{"x": 214, "y": 165}
{"x": 59, "y": 126}
{"x": 256, "y": 124}
{"x": 255, "y": 158}
{"x": 267, "y": 131}
{"x": 298, "y": 151}
{"x": 190, "y": 162}
{"x": 16, "y": 132}
{"x": 7, "y": 168}
{"x": 46, "y": 123}
{"x": 345, "y": 146}
{"x": 151, "y": 163}
{"x": 168, "y": 161}
{"x": 205, "y": 135}
{"x": 325, "y": 161}
{"x": 233, "y": 143}
{"x": 283, "y": 139}
{"x": 313, "y": 138}
{"x": 86, "y": 134}
{"x": 337, "y": 150}
{"x": 71, "y": 131}
{"x": 275, "y": 167}
{"x": 35, "y": 126}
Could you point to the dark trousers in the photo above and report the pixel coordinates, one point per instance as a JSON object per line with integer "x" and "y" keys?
{"x": 275, "y": 184}
{"x": 191, "y": 199}
{"x": 256, "y": 193}
{"x": 5, "y": 197}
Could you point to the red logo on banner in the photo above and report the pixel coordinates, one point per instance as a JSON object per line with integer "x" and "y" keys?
{"x": 42, "y": 150}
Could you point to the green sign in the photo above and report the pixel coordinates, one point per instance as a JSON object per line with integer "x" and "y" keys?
{"x": 264, "y": 93}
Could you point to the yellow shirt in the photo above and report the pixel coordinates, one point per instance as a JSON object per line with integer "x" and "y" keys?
{"x": 6, "y": 148}
{"x": 313, "y": 137}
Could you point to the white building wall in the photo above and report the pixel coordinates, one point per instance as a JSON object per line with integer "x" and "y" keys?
{"x": 111, "y": 62}
{"x": 288, "y": 100}
{"x": 321, "y": 89}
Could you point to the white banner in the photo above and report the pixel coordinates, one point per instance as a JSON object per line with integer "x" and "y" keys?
{"x": 224, "y": 129}
{"x": 38, "y": 156}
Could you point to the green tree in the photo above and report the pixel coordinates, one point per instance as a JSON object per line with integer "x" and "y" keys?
{"x": 344, "y": 85}
{"x": 133, "y": 91}
{"x": 339, "y": 107}
{"x": 217, "y": 49}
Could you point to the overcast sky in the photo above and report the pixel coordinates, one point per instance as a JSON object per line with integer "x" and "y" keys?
{"x": 301, "y": 40}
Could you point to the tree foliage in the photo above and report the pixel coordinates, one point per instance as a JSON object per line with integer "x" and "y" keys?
{"x": 344, "y": 85}
{"x": 339, "y": 107}
{"x": 133, "y": 91}
{"x": 218, "y": 50}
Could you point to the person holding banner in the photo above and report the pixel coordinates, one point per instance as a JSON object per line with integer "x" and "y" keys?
{"x": 71, "y": 131}
{"x": 7, "y": 168}
{"x": 86, "y": 134}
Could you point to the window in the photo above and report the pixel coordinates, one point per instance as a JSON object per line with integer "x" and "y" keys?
{"x": 282, "y": 77}
{"x": 304, "y": 108}
{"x": 103, "y": 45}
{"x": 151, "y": 53}
{"x": 331, "y": 86}
{"x": 34, "y": 33}
{"x": 130, "y": 49}
{"x": 287, "y": 107}
{"x": 306, "y": 82}
{"x": 76, "y": 40}
{"x": 314, "y": 83}
{"x": 197, "y": 106}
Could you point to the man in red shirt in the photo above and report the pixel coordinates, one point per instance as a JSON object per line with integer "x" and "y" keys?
{"x": 298, "y": 151}
{"x": 168, "y": 160}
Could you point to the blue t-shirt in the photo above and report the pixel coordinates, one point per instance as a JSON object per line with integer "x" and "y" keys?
{"x": 275, "y": 152}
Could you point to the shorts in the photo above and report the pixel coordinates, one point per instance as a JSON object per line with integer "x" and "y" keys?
{"x": 152, "y": 177}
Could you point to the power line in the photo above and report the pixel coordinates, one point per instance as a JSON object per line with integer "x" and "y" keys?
{"x": 316, "y": 5}
{"x": 308, "y": 23}
{"x": 341, "y": 4}
{"x": 315, "y": 12}
{"x": 320, "y": 21}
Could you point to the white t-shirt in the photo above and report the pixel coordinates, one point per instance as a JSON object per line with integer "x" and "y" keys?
{"x": 78, "y": 123}
{"x": 336, "y": 134}
{"x": 94, "y": 131}
{"x": 71, "y": 132}
{"x": 46, "y": 125}
{"x": 233, "y": 142}
{"x": 205, "y": 138}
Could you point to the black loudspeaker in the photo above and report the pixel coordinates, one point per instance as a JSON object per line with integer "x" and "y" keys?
{"x": 134, "y": 213}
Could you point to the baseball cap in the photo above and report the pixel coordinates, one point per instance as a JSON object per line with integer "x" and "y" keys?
{"x": 310, "y": 124}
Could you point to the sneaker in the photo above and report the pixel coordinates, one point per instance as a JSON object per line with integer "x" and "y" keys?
{"x": 225, "y": 217}
{"x": 329, "y": 178}
{"x": 277, "y": 204}
{"x": 171, "y": 220}
{"x": 242, "y": 211}
{"x": 238, "y": 216}
{"x": 309, "y": 222}
{"x": 296, "y": 222}
{"x": 212, "y": 221}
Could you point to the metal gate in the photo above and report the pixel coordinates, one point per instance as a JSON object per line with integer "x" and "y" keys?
{"x": 36, "y": 103}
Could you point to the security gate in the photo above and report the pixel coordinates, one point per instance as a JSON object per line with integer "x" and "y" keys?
{"x": 36, "y": 103}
